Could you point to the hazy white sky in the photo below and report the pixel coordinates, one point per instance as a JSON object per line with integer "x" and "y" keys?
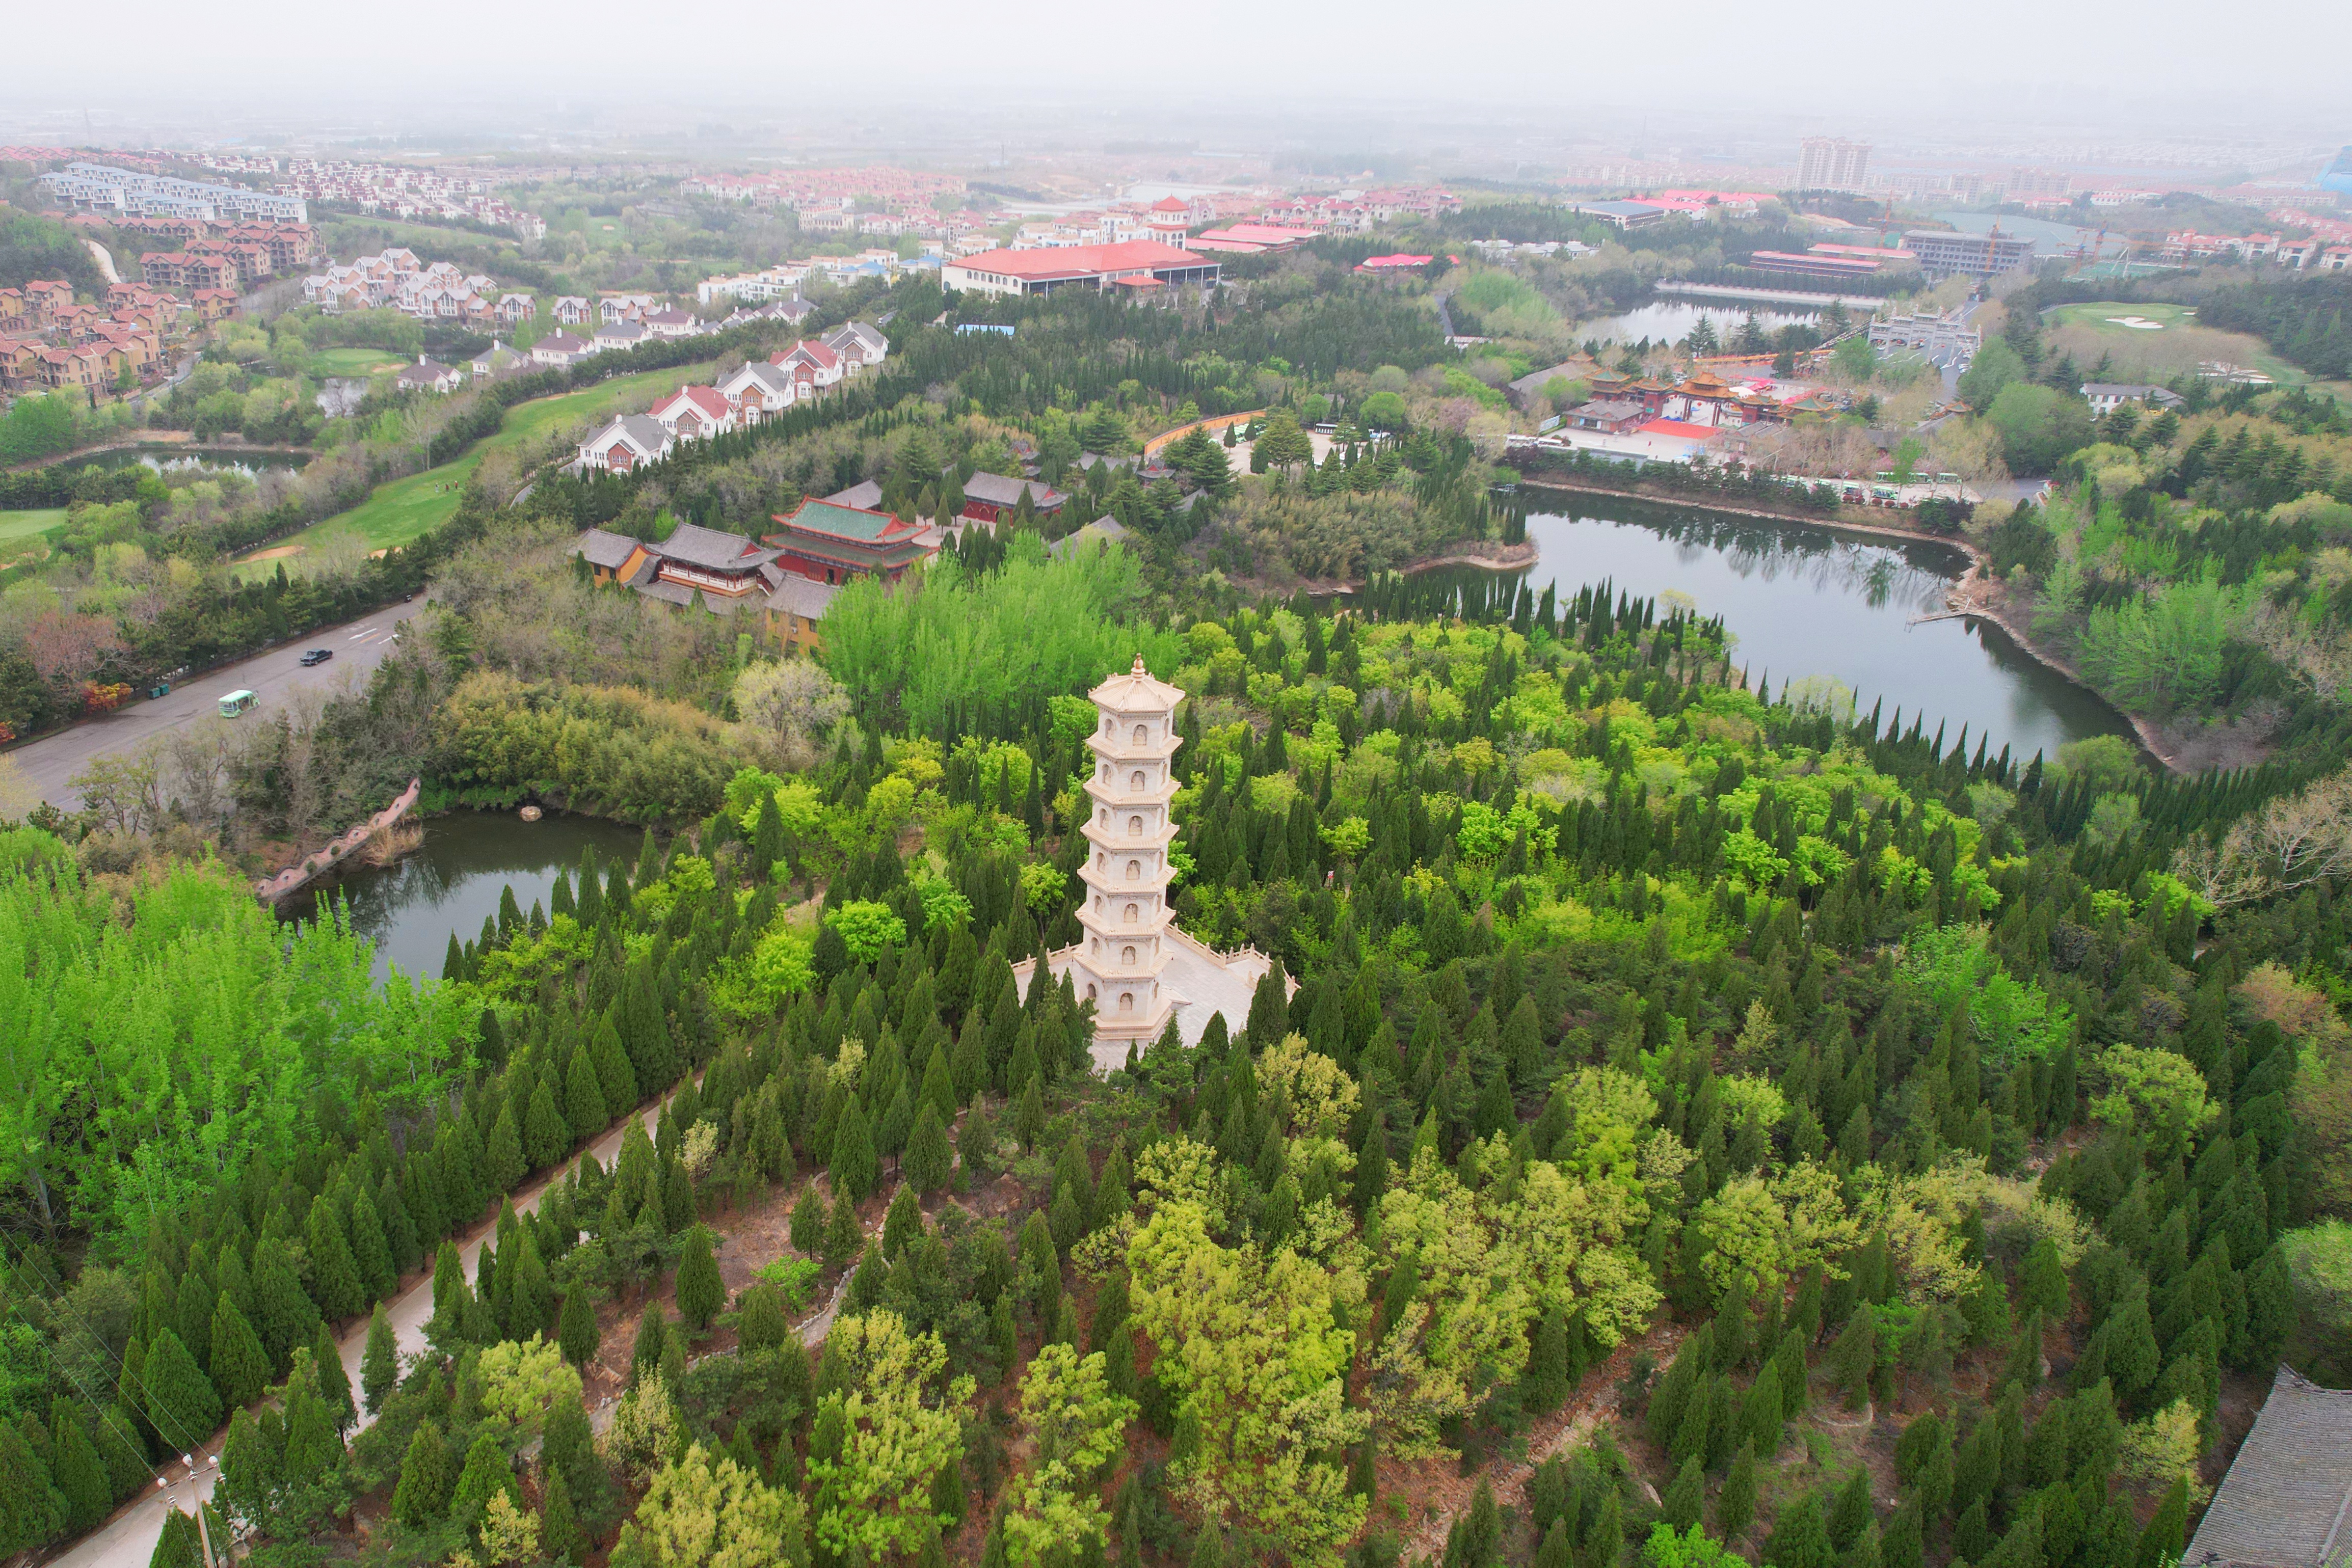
{"x": 2249, "y": 64}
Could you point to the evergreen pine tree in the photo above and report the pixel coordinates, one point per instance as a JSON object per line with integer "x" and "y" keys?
{"x": 334, "y": 1383}
{"x": 335, "y": 1282}
{"x": 371, "y": 1251}
{"x": 76, "y": 1471}
{"x": 179, "y": 1546}
{"x": 852, "y": 1161}
{"x": 1685, "y": 1496}
{"x": 483, "y": 1477}
{"x": 504, "y": 1166}
{"x": 1735, "y": 1504}
{"x": 546, "y": 1135}
{"x": 380, "y": 1363}
{"x": 700, "y": 1290}
{"x": 422, "y": 1492}
{"x": 241, "y": 1367}
{"x": 929, "y": 1160}
{"x": 181, "y": 1403}
{"x": 1546, "y": 1379}
{"x": 577, "y": 1332}
{"x": 561, "y": 1538}
{"x": 2166, "y": 1535}
{"x": 584, "y": 1112}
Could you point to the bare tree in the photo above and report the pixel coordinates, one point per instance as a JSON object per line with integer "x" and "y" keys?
{"x": 2294, "y": 842}
{"x": 786, "y": 708}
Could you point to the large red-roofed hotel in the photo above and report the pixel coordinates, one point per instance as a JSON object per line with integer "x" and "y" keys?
{"x": 1137, "y": 266}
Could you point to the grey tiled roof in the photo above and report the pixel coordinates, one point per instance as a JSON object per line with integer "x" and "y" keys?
{"x": 697, "y": 546}
{"x": 667, "y": 592}
{"x": 802, "y": 596}
{"x": 866, "y": 496}
{"x": 999, "y": 491}
{"x": 2284, "y": 1502}
{"x": 606, "y": 549}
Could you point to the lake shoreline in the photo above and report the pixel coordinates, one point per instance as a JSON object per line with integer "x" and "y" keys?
{"x": 1973, "y": 595}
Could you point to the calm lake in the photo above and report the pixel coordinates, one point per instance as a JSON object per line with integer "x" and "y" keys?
{"x": 1805, "y": 601}
{"x": 1801, "y": 601}
{"x": 1671, "y": 323}
{"x": 452, "y": 884}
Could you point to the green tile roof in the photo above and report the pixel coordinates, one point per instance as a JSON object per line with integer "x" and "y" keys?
{"x": 842, "y": 522}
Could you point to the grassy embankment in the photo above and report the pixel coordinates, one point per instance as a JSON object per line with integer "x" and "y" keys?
{"x": 400, "y": 509}
{"x": 355, "y": 361}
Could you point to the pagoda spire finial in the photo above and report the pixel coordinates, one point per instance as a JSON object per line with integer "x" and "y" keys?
{"x": 1138, "y": 665}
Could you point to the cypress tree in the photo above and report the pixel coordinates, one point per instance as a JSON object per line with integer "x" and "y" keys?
{"x": 928, "y": 1161}
{"x": 1799, "y": 1538}
{"x": 504, "y": 1165}
{"x": 334, "y": 1383}
{"x": 76, "y": 1469}
{"x": 653, "y": 1338}
{"x": 1735, "y": 1504}
{"x": 31, "y": 1509}
{"x": 2166, "y": 1535}
{"x": 547, "y": 1135}
{"x": 578, "y": 1332}
{"x": 808, "y": 1222}
{"x": 615, "y": 1073}
{"x": 1548, "y": 1364}
{"x": 584, "y": 1111}
{"x": 335, "y": 1281}
{"x": 1851, "y": 1515}
{"x": 1685, "y": 1496}
{"x": 181, "y": 1404}
{"x": 854, "y": 1166}
{"x": 313, "y": 1445}
{"x": 241, "y": 1367}
{"x": 561, "y": 1538}
{"x": 179, "y": 1546}
{"x": 371, "y": 1251}
{"x": 843, "y": 1236}
{"x": 380, "y": 1363}
{"x": 700, "y": 1290}
{"x": 485, "y": 1475}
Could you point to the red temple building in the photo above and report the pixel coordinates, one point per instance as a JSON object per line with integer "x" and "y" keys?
{"x": 832, "y": 543}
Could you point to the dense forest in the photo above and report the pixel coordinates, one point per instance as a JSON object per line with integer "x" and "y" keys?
{"x": 1707, "y": 1125}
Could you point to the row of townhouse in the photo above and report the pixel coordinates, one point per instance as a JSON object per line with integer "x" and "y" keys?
{"x": 104, "y": 188}
{"x": 2311, "y": 253}
{"x": 754, "y": 391}
{"x": 29, "y": 311}
{"x": 90, "y": 366}
{"x": 1351, "y": 212}
{"x": 48, "y": 340}
{"x": 209, "y": 264}
{"x": 408, "y": 191}
{"x": 808, "y": 190}
{"x": 395, "y": 279}
{"x": 286, "y": 247}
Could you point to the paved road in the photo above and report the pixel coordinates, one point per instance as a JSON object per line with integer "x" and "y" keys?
{"x": 50, "y": 762}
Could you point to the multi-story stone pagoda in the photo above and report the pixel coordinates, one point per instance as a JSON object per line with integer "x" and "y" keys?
{"x": 1134, "y": 964}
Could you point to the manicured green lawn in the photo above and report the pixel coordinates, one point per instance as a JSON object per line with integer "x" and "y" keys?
{"x": 2102, "y": 319}
{"x": 354, "y": 362}
{"x": 24, "y": 525}
{"x": 400, "y": 509}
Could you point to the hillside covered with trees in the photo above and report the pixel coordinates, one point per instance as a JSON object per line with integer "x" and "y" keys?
{"x": 1704, "y": 1125}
